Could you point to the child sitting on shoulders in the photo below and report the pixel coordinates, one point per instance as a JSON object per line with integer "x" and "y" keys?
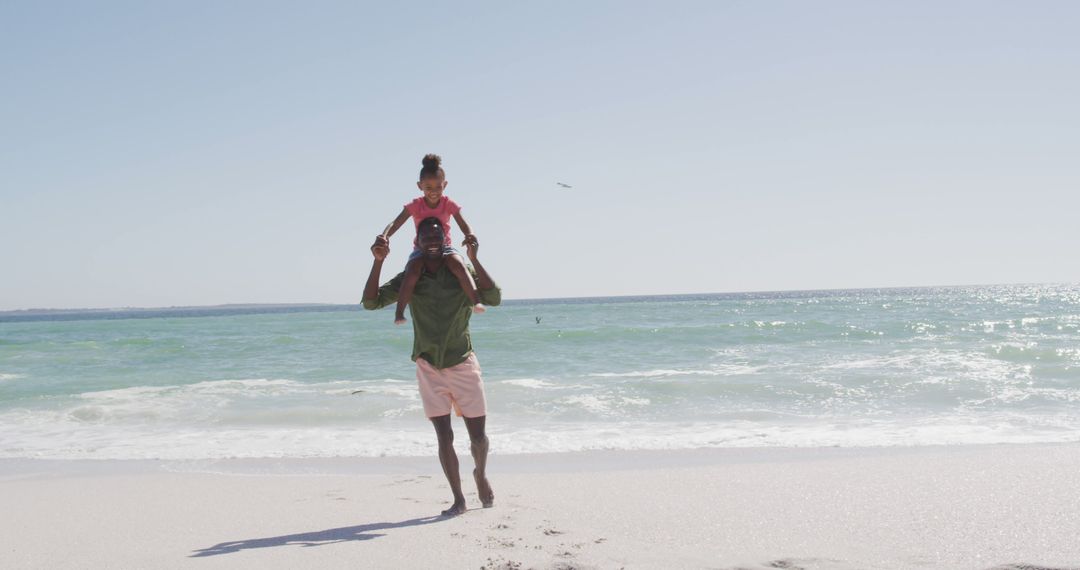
{"x": 433, "y": 204}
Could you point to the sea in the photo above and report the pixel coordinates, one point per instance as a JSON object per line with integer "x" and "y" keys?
{"x": 851, "y": 368}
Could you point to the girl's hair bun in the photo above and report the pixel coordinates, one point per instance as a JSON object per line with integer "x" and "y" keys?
{"x": 432, "y": 161}
{"x": 432, "y": 166}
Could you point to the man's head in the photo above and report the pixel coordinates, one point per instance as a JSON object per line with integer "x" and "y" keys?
{"x": 430, "y": 237}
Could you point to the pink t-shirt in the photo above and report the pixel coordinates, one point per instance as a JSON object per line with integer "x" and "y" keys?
{"x": 419, "y": 210}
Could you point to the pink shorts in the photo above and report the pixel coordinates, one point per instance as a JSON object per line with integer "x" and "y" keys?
{"x": 459, "y": 387}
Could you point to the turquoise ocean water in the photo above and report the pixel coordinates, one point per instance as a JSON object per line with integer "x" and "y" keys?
{"x": 925, "y": 366}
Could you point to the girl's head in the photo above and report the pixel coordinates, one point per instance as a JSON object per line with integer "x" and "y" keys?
{"x": 432, "y": 179}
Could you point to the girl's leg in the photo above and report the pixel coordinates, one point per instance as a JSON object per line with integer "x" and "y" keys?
{"x": 412, "y": 275}
{"x": 457, "y": 266}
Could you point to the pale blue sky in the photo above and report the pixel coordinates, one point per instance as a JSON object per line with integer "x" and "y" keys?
{"x": 188, "y": 153}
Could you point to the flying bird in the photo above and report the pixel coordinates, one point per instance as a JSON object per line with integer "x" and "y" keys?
{"x": 563, "y": 185}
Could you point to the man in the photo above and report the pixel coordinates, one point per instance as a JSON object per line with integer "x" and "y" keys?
{"x": 446, "y": 368}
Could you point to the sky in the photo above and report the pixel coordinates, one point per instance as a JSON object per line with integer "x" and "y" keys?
{"x": 201, "y": 153}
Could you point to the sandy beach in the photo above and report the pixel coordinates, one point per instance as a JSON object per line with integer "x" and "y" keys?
{"x": 1001, "y": 506}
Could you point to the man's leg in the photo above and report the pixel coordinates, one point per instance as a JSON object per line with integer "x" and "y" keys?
{"x": 480, "y": 452}
{"x": 449, "y": 461}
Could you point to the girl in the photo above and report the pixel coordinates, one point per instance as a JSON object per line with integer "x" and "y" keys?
{"x": 433, "y": 204}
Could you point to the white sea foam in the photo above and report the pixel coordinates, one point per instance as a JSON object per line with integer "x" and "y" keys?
{"x": 351, "y": 387}
{"x": 594, "y": 404}
{"x": 903, "y": 360}
{"x": 4, "y": 376}
{"x": 407, "y": 392}
{"x": 718, "y": 370}
{"x": 531, "y": 383}
{"x": 400, "y": 412}
{"x": 602, "y": 405}
{"x": 258, "y": 387}
{"x": 416, "y": 440}
{"x": 537, "y": 384}
{"x": 229, "y": 402}
{"x": 974, "y": 364}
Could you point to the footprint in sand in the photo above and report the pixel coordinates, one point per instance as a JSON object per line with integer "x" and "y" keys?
{"x": 501, "y": 564}
{"x": 500, "y": 542}
{"x": 804, "y": 564}
{"x": 417, "y": 479}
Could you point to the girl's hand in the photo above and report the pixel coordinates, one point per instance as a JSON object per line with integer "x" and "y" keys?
{"x": 471, "y": 246}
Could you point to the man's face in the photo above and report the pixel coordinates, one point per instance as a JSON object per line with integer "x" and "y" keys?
{"x": 430, "y": 240}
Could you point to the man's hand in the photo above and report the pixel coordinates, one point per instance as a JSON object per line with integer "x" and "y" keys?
{"x": 471, "y": 245}
{"x": 483, "y": 280}
{"x": 381, "y": 248}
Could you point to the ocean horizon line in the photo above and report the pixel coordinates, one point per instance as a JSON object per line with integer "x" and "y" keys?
{"x": 89, "y": 313}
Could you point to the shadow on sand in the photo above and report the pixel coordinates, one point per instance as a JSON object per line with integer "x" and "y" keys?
{"x": 316, "y": 538}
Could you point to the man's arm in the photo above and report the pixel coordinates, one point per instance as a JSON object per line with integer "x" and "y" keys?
{"x": 376, "y": 297}
{"x": 490, "y": 294}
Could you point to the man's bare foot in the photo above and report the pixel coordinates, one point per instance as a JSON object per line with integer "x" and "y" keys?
{"x": 455, "y": 509}
{"x": 483, "y": 490}
{"x": 478, "y": 308}
{"x": 399, "y": 320}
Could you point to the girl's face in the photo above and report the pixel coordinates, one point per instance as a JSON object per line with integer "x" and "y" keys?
{"x": 432, "y": 187}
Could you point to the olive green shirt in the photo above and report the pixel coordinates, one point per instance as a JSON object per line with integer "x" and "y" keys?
{"x": 440, "y": 313}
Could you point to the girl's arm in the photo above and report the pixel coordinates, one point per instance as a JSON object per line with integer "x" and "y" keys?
{"x": 394, "y": 225}
{"x": 465, "y": 229}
